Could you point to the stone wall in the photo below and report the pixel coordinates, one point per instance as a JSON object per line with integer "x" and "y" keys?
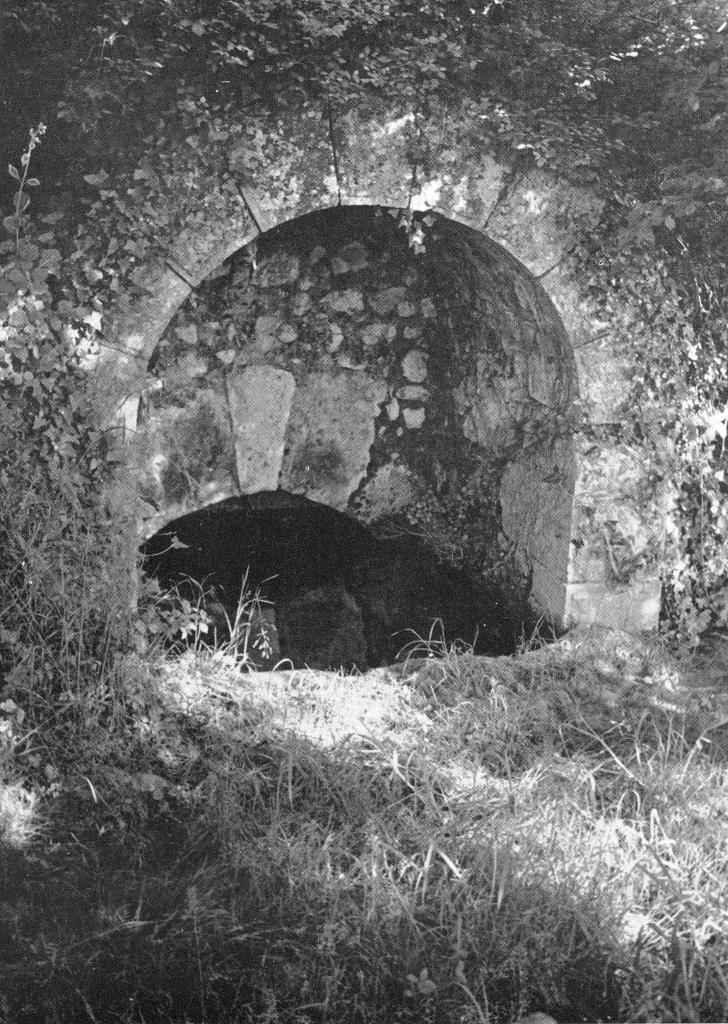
{"x": 527, "y": 385}
{"x": 340, "y": 364}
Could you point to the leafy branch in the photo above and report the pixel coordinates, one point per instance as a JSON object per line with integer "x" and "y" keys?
{"x": 21, "y": 199}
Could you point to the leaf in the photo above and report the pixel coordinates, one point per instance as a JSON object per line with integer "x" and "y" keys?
{"x": 13, "y": 172}
{"x": 33, "y": 182}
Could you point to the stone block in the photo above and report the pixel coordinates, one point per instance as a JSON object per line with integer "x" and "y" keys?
{"x": 279, "y": 269}
{"x": 184, "y": 456}
{"x": 536, "y": 497}
{"x": 259, "y": 400}
{"x": 330, "y": 433}
{"x": 371, "y": 147}
{"x": 634, "y": 608}
{"x": 385, "y": 302}
{"x": 413, "y": 418}
{"x": 414, "y": 366}
{"x": 391, "y": 488}
{"x": 348, "y": 301}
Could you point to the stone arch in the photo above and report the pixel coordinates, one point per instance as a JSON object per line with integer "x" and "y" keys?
{"x": 303, "y": 164}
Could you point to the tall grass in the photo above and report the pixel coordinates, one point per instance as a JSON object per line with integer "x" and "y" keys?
{"x": 457, "y": 839}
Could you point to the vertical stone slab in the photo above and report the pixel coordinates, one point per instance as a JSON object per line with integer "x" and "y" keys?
{"x": 622, "y": 525}
{"x": 537, "y": 498}
{"x": 330, "y": 434}
{"x": 259, "y": 400}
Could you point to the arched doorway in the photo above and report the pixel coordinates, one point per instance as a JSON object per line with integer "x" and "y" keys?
{"x": 425, "y": 388}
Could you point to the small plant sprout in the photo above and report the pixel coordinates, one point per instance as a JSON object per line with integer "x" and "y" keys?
{"x": 21, "y": 199}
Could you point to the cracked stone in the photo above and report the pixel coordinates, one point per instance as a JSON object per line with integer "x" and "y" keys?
{"x": 405, "y": 309}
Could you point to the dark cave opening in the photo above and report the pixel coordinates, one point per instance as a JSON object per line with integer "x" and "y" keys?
{"x": 338, "y": 594}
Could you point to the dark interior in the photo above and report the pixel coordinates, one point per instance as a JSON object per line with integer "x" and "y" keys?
{"x": 340, "y": 596}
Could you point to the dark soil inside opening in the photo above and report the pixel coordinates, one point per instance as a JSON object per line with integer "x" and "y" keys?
{"x": 336, "y": 594}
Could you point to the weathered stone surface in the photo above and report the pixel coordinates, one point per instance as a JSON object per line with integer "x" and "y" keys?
{"x": 385, "y": 302}
{"x": 259, "y": 400}
{"x": 288, "y": 334}
{"x": 619, "y": 527}
{"x": 337, "y": 338}
{"x": 282, "y": 268}
{"x": 605, "y": 377}
{"x": 283, "y": 162}
{"x": 391, "y": 488}
{"x": 412, "y": 393}
{"x": 632, "y": 608}
{"x": 329, "y": 436}
{"x": 185, "y": 457}
{"x": 350, "y": 258}
{"x": 187, "y": 333}
{"x": 373, "y": 166}
{"x": 301, "y": 303}
{"x": 373, "y": 334}
{"x": 536, "y": 496}
{"x": 191, "y": 366}
{"x": 286, "y": 161}
{"x": 413, "y": 417}
{"x": 348, "y": 301}
{"x": 460, "y": 184}
{"x": 266, "y": 332}
{"x": 414, "y": 365}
